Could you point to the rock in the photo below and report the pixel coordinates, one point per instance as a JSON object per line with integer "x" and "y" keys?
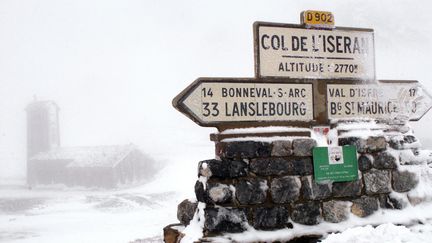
{"x": 303, "y": 146}
{"x": 347, "y": 189}
{"x": 364, "y": 162}
{"x": 384, "y": 160}
{"x": 200, "y": 192}
{"x": 220, "y": 193}
{"x": 391, "y": 202}
{"x": 251, "y": 191}
{"x": 404, "y": 142}
{"x": 364, "y": 206}
{"x": 307, "y": 213}
{"x": 268, "y": 218}
{"x": 415, "y": 199}
{"x": 231, "y": 220}
{"x": 375, "y": 144}
{"x": 222, "y": 168}
{"x": 359, "y": 143}
{"x": 186, "y": 211}
{"x": 369, "y": 145}
{"x": 377, "y": 181}
{"x": 171, "y": 234}
{"x": 285, "y": 189}
{"x": 314, "y": 191}
{"x": 301, "y": 165}
{"x": 270, "y": 166}
{"x": 243, "y": 149}
{"x": 282, "y": 148}
{"x": 335, "y": 211}
{"x": 404, "y": 181}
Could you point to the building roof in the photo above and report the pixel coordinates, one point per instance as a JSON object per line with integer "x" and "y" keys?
{"x": 97, "y": 156}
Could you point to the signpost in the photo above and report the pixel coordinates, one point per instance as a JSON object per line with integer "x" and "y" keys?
{"x": 212, "y": 102}
{"x": 307, "y": 75}
{"x": 335, "y": 163}
{"x": 286, "y": 50}
{"x": 386, "y": 100}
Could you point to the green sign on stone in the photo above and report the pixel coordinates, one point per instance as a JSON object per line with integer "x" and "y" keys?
{"x": 335, "y": 163}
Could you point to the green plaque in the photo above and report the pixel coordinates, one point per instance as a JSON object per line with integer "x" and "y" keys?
{"x": 335, "y": 163}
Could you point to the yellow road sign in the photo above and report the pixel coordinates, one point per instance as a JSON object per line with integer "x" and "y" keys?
{"x": 318, "y": 19}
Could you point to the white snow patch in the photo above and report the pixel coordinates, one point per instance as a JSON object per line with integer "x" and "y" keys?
{"x": 423, "y": 190}
{"x": 261, "y": 139}
{"x": 270, "y": 129}
{"x": 383, "y": 233}
{"x": 409, "y": 215}
{"x": 194, "y": 230}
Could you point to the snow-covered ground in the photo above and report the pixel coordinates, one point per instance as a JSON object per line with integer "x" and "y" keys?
{"x": 83, "y": 215}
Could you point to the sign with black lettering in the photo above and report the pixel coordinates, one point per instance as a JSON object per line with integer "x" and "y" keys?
{"x": 284, "y": 50}
{"x": 210, "y": 102}
{"x": 385, "y": 100}
{"x": 317, "y": 19}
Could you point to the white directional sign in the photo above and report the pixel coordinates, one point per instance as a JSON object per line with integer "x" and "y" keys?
{"x": 211, "y": 102}
{"x": 386, "y": 100}
{"x": 283, "y": 50}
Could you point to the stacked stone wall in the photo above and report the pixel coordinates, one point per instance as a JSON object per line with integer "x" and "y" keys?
{"x": 270, "y": 185}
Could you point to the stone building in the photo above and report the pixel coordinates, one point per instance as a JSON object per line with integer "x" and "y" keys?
{"x": 96, "y": 166}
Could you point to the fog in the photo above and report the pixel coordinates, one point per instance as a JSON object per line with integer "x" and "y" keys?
{"x": 113, "y": 67}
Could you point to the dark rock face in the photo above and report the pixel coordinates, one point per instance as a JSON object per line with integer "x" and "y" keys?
{"x": 301, "y": 165}
{"x": 377, "y": 181}
{"x": 219, "y": 193}
{"x": 282, "y": 148}
{"x": 314, "y": 191}
{"x": 271, "y": 218}
{"x": 200, "y": 192}
{"x": 282, "y": 166}
{"x": 359, "y": 143}
{"x": 347, "y": 189}
{"x": 186, "y": 211}
{"x": 251, "y": 191}
{"x": 270, "y": 166}
{"x": 306, "y": 213}
{"x": 335, "y": 211}
{"x": 364, "y": 206}
{"x": 364, "y": 163}
{"x": 369, "y": 145}
{"x": 375, "y": 144}
{"x": 303, "y": 146}
{"x": 225, "y": 220}
{"x": 390, "y": 202}
{"x": 222, "y": 168}
{"x": 244, "y": 150}
{"x": 404, "y": 181}
{"x": 285, "y": 189}
{"x": 384, "y": 160}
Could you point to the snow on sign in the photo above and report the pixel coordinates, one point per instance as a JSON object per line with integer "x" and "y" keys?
{"x": 286, "y": 50}
{"x": 386, "y": 100}
{"x": 210, "y": 102}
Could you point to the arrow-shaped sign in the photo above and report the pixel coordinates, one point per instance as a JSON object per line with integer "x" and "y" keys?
{"x": 386, "y": 100}
{"x": 213, "y": 102}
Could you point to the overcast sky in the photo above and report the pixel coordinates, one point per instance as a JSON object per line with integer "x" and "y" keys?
{"x": 113, "y": 67}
